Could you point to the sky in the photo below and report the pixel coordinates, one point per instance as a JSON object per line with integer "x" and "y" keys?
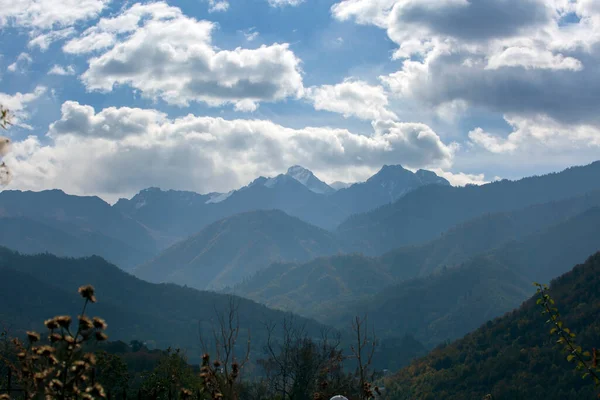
{"x": 111, "y": 97}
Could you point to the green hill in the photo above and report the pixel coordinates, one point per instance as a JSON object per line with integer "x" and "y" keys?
{"x": 225, "y": 252}
{"x": 512, "y": 357}
{"x": 34, "y": 288}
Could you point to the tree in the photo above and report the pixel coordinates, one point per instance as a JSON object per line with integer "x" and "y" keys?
{"x": 111, "y": 372}
{"x": 221, "y": 378}
{"x": 299, "y": 367}
{"x": 363, "y": 351}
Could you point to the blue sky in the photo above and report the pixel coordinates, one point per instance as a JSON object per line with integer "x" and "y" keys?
{"x": 110, "y": 97}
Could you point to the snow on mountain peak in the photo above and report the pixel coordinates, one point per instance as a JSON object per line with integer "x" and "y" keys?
{"x": 300, "y": 174}
{"x": 308, "y": 179}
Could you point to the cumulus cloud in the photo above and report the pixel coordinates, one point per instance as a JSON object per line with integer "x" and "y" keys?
{"x": 60, "y": 70}
{"x": 352, "y": 98}
{"x": 282, "y": 3}
{"x": 490, "y": 142}
{"x": 514, "y": 57}
{"x": 44, "y": 40}
{"x": 375, "y": 12}
{"x": 530, "y": 58}
{"x": 217, "y": 5}
{"x": 170, "y": 56}
{"x": 17, "y": 104}
{"x": 21, "y": 63}
{"x": 48, "y": 14}
{"x": 537, "y": 132}
{"x": 120, "y": 150}
{"x": 250, "y": 34}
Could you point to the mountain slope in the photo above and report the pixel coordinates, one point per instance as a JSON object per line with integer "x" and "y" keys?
{"x": 500, "y": 356}
{"x": 81, "y": 217}
{"x": 31, "y": 237}
{"x": 34, "y": 288}
{"x": 426, "y": 212}
{"x": 456, "y": 300}
{"x": 231, "y": 249}
{"x": 291, "y": 286}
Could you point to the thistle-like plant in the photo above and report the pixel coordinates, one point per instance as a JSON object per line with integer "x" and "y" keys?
{"x": 56, "y": 366}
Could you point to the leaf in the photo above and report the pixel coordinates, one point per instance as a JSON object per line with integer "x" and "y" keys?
{"x": 585, "y": 375}
{"x": 587, "y": 354}
{"x": 570, "y": 357}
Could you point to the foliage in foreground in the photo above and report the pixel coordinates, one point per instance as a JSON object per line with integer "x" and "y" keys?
{"x": 74, "y": 361}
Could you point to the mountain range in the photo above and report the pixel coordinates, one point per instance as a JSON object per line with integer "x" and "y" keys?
{"x": 298, "y": 193}
{"x": 175, "y": 236}
{"x": 337, "y": 287}
{"x": 427, "y": 262}
{"x": 428, "y": 211}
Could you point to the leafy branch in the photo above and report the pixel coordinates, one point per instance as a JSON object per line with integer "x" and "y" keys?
{"x": 585, "y": 361}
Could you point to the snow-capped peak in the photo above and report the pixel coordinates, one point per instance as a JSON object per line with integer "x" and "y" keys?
{"x": 299, "y": 173}
{"x": 308, "y": 179}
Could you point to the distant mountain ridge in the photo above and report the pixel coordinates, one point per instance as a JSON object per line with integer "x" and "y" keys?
{"x": 54, "y": 221}
{"x": 298, "y": 192}
{"x": 509, "y": 240}
{"x": 428, "y": 211}
{"x": 229, "y": 250}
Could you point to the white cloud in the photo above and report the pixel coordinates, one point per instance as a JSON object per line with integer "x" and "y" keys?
{"x": 539, "y": 132}
{"x": 117, "y": 151}
{"x": 283, "y": 3}
{"x": 352, "y": 98}
{"x": 18, "y": 102}
{"x": 60, "y": 70}
{"x": 47, "y": 14}
{"x": 490, "y": 142}
{"x": 20, "y": 64}
{"x": 44, "y": 40}
{"x": 460, "y": 178}
{"x": 104, "y": 34}
{"x": 92, "y": 40}
{"x": 511, "y": 57}
{"x": 171, "y": 57}
{"x": 250, "y": 34}
{"x": 217, "y": 5}
{"x": 365, "y": 12}
{"x": 530, "y": 58}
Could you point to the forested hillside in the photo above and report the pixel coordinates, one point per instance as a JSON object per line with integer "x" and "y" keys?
{"x": 551, "y": 237}
{"x": 34, "y": 288}
{"x": 229, "y": 250}
{"x": 513, "y": 357}
{"x": 427, "y": 212}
